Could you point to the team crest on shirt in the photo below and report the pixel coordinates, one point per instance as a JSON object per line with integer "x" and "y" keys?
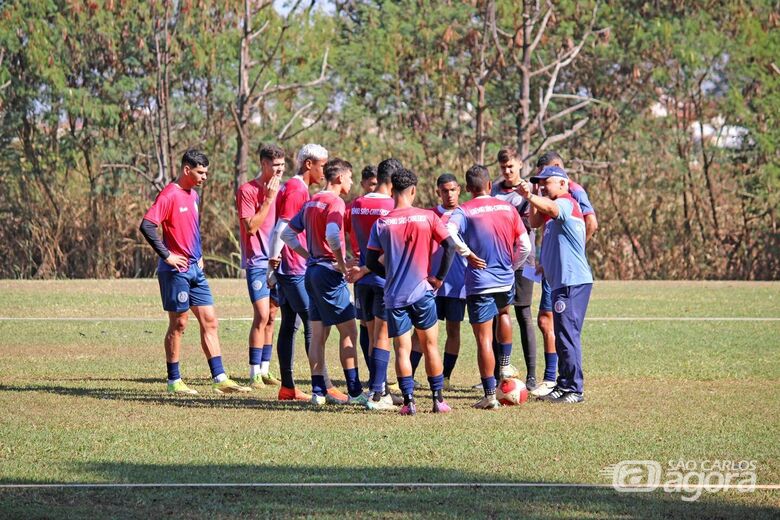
{"x": 560, "y": 306}
{"x": 257, "y": 285}
{"x": 182, "y": 296}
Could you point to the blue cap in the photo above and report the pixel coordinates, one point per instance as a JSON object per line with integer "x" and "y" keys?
{"x": 547, "y": 172}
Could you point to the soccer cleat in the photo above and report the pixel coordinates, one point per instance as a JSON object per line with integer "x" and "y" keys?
{"x": 478, "y": 386}
{"x": 256, "y": 383}
{"x": 270, "y": 380}
{"x": 384, "y": 403}
{"x": 417, "y": 385}
{"x": 180, "y": 388}
{"x": 292, "y": 394}
{"x": 489, "y": 402}
{"x": 447, "y": 385}
{"x": 543, "y": 388}
{"x": 507, "y": 372}
{"x": 441, "y": 406}
{"x": 318, "y": 400}
{"x": 228, "y": 386}
{"x": 393, "y": 388}
{"x": 359, "y": 400}
{"x": 554, "y": 394}
{"x": 333, "y": 396}
{"x": 568, "y": 397}
{"x": 408, "y": 409}
{"x": 397, "y": 399}
{"x": 530, "y": 383}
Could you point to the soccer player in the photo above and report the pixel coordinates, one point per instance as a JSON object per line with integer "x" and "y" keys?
{"x": 451, "y": 296}
{"x": 256, "y": 205}
{"x": 567, "y": 271}
{"x": 490, "y": 234}
{"x": 370, "y": 287}
{"x": 183, "y": 285}
{"x": 545, "y": 315}
{"x": 511, "y": 166}
{"x": 405, "y": 237}
{"x": 290, "y": 270}
{"x": 323, "y": 220}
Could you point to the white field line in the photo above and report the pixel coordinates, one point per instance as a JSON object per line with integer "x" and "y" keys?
{"x": 690, "y": 487}
{"x": 595, "y": 318}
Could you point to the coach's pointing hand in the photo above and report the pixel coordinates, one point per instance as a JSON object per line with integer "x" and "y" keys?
{"x": 524, "y": 188}
{"x": 177, "y": 261}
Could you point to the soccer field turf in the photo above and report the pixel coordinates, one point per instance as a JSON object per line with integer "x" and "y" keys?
{"x": 83, "y": 401}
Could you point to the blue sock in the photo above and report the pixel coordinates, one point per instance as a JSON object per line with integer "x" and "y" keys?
{"x": 449, "y": 363}
{"x": 504, "y": 352}
{"x": 436, "y": 382}
{"x": 354, "y": 388}
{"x": 255, "y": 355}
{"x": 173, "y": 371}
{"x": 379, "y": 361}
{"x": 407, "y": 385}
{"x": 489, "y": 385}
{"x": 550, "y": 366}
{"x": 215, "y": 364}
{"x": 365, "y": 344}
{"x": 268, "y": 352}
{"x": 415, "y": 358}
{"x": 318, "y": 385}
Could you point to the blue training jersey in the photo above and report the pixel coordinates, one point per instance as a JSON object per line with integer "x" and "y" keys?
{"x": 563, "y": 248}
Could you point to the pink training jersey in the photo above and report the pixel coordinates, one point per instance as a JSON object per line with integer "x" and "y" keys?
{"x": 405, "y": 236}
{"x": 490, "y": 227}
{"x": 348, "y": 229}
{"x": 176, "y": 209}
{"x": 324, "y": 208}
{"x": 364, "y": 212}
{"x": 292, "y": 196}
{"x": 255, "y": 247}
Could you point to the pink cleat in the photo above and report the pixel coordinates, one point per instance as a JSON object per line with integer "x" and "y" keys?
{"x": 441, "y": 406}
{"x": 408, "y": 409}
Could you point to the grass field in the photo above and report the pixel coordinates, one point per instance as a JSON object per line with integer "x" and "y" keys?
{"x": 83, "y": 401}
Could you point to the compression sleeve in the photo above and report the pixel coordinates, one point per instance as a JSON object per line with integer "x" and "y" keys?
{"x": 373, "y": 263}
{"x": 448, "y": 245}
{"x": 149, "y": 231}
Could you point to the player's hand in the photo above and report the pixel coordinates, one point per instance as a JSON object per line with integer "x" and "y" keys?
{"x": 435, "y": 282}
{"x": 274, "y": 263}
{"x": 524, "y": 188}
{"x": 355, "y": 273}
{"x": 476, "y": 262}
{"x": 200, "y": 263}
{"x": 382, "y": 259}
{"x": 539, "y": 269}
{"x": 179, "y": 262}
{"x": 272, "y": 188}
{"x": 352, "y": 262}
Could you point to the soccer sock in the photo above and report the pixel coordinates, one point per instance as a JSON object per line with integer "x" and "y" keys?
{"x": 489, "y": 385}
{"x": 504, "y": 353}
{"x": 217, "y": 371}
{"x": 379, "y": 361}
{"x": 255, "y": 358}
{"x": 173, "y": 372}
{"x": 449, "y": 363}
{"x": 550, "y": 365}
{"x": 354, "y": 388}
{"x": 365, "y": 345}
{"x": 436, "y": 383}
{"x": 406, "y": 384}
{"x": 415, "y": 358}
{"x": 265, "y": 364}
{"x": 318, "y": 385}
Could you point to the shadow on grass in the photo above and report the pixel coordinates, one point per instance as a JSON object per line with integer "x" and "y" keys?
{"x": 362, "y": 501}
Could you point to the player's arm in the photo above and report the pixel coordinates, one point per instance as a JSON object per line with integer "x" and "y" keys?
{"x": 374, "y": 263}
{"x": 290, "y": 235}
{"x": 540, "y": 206}
{"x": 591, "y": 225}
{"x": 253, "y": 223}
{"x": 462, "y": 249}
{"x": 276, "y": 240}
{"x": 149, "y": 231}
{"x": 450, "y": 250}
{"x": 333, "y": 236}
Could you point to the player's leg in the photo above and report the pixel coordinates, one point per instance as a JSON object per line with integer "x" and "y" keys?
{"x": 399, "y": 327}
{"x": 364, "y": 335}
{"x": 545, "y": 322}
{"x": 292, "y": 305}
{"x": 209, "y": 342}
{"x": 452, "y": 311}
{"x": 268, "y": 336}
{"x": 426, "y": 324}
{"x": 259, "y": 294}
{"x": 175, "y": 295}
{"x": 482, "y": 311}
{"x": 524, "y": 289}
{"x": 363, "y": 308}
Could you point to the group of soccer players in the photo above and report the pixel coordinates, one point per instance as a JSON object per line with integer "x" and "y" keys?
{"x": 410, "y": 268}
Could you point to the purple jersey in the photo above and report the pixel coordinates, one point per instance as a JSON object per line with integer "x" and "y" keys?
{"x": 406, "y": 237}
{"x": 452, "y": 286}
{"x": 364, "y": 211}
{"x": 491, "y": 228}
{"x": 176, "y": 210}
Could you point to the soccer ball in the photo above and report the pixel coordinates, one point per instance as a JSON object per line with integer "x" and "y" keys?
{"x": 511, "y": 391}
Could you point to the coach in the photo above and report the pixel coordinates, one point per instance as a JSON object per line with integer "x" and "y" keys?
{"x": 567, "y": 271}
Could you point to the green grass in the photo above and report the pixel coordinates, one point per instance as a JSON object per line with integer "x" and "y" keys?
{"x": 83, "y": 402}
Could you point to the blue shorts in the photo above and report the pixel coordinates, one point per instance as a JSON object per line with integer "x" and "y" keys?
{"x": 372, "y": 301}
{"x": 180, "y": 291}
{"x": 421, "y": 314}
{"x": 257, "y": 283}
{"x": 292, "y": 291}
{"x": 485, "y": 307}
{"x": 545, "y": 303}
{"x": 328, "y": 296}
{"x": 450, "y": 309}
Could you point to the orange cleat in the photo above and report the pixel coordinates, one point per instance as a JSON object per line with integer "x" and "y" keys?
{"x": 335, "y": 396}
{"x": 292, "y": 394}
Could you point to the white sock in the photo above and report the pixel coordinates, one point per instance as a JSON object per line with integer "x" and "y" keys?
{"x": 264, "y": 367}
{"x": 173, "y": 381}
{"x": 255, "y": 370}
{"x": 220, "y": 377}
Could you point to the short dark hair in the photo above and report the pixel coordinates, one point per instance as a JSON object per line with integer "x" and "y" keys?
{"x": 477, "y": 177}
{"x": 548, "y": 158}
{"x": 271, "y": 152}
{"x": 506, "y": 155}
{"x": 335, "y": 167}
{"x": 194, "y": 158}
{"x": 368, "y": 173}
{"x": 403, "y": 179}
{"x": 386, "y": 170}
{"x": 444, "y": 178}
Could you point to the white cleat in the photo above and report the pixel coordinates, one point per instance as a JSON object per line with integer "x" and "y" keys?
{"x": 543, "y": 388}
